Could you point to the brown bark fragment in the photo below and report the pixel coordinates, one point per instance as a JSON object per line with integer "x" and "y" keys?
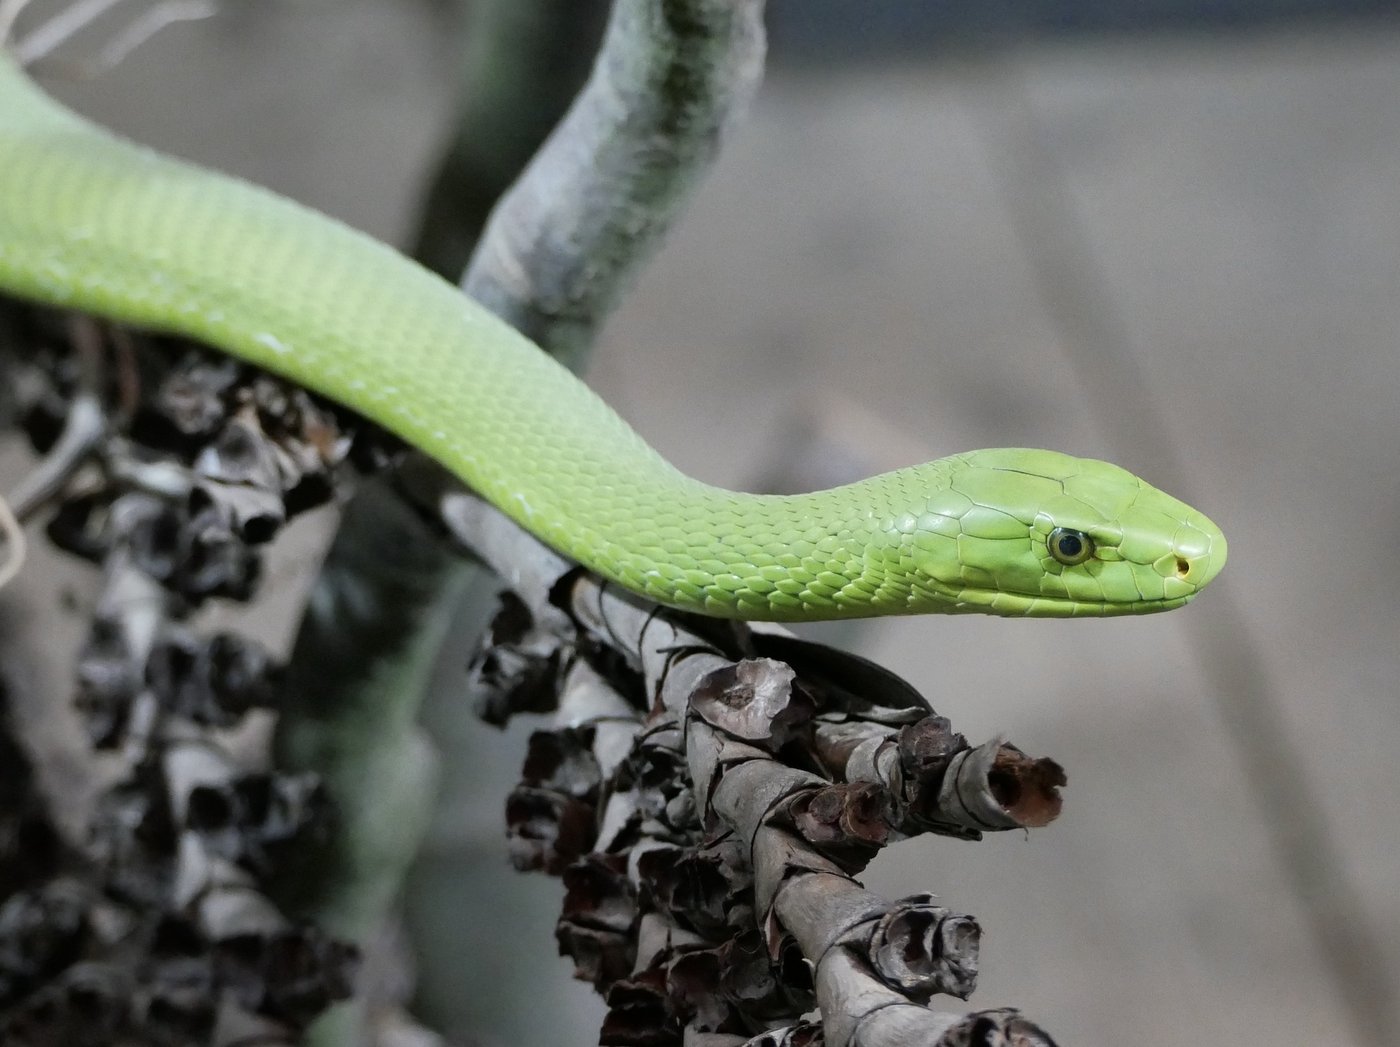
{"x": 599, "y": 913}
{"x": 547, "y": 829}
{"x": 1027, "y": 788}
{"x": 923, "y": 949}
{"x": 756, "y": 700}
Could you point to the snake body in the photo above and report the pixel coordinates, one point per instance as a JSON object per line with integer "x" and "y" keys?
{"x": 94, "y": 223}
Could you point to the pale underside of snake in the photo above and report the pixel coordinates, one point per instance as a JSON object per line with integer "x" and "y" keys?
{"x": 93, "y": 223}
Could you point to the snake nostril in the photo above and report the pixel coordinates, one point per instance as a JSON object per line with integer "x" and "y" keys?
{"x": 1182, "y": 568}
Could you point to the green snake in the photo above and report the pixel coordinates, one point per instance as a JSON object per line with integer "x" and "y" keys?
{"x": 93, "y": 223}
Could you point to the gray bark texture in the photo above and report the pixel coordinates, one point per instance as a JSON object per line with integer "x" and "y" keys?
{"x": 525, "y": 61}
{"x": 562, "y": 246}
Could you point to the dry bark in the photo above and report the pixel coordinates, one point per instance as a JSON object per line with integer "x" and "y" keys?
{"x": 167, "y": 467}
{"x": 709, "y": 806}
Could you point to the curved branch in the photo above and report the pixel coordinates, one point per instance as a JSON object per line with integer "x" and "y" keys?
{"x": 12, "y": 541}
{"x": 562, "y": 245}
{"x": 525, "y": 62}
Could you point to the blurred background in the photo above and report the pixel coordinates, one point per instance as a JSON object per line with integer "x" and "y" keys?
{"x": 1162, "y": 233}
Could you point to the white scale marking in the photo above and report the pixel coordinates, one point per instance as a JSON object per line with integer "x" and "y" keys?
{"x": 270, "y": 341}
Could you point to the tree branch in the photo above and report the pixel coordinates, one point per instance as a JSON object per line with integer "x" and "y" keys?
{"x": 596, "y": 200}
{"x": 740, "y": 736}
{"x": 525, "y": 62}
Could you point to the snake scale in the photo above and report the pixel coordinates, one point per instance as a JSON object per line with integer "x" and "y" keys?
{"x": 94, "y": 223}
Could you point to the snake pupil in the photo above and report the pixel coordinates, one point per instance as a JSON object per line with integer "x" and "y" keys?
{"x": 1070, "y": 547}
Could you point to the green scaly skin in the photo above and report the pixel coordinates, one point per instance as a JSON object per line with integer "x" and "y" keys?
{"x": 92, "y": 223}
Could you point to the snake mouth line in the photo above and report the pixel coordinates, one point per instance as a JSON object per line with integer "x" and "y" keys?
{"x": 1012, "y": 603}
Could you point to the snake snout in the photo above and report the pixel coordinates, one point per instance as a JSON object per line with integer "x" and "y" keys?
{"x": 1200, "y": 557}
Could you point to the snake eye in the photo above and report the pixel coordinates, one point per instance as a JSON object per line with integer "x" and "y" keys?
{"x": 1070, "y": 547}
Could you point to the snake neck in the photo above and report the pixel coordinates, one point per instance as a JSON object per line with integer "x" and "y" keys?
{"x": 840, "y": 553}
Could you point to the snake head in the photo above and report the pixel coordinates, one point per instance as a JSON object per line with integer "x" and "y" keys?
{"x": 1037, "y": 533}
